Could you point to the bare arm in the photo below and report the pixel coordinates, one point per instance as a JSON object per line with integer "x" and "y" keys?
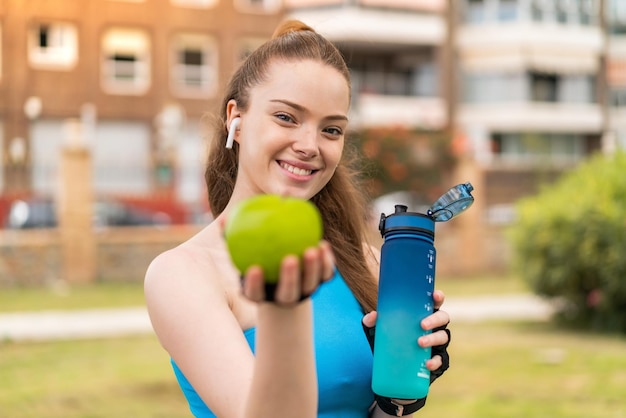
{"x": 195, "y": 323}
{"x": 284, "y": 379}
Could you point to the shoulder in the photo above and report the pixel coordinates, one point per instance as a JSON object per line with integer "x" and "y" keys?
{"x": 190, "y": 294}
{"x": 174, "y": 267}
{"x": 194, "y": 263}
{"x": 181, "y": 285}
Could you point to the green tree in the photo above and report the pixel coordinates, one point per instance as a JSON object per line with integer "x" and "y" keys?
{"x": 569, "y": 243}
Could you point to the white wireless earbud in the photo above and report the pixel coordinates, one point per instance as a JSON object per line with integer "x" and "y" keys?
{"x": 230, "y": 139}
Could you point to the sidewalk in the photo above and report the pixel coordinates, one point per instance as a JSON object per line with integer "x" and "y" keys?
{"x": 103, "y": 323}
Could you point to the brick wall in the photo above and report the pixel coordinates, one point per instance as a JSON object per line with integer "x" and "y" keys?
{"x": 33, "y": 257}
{"x": 29, "y": 257}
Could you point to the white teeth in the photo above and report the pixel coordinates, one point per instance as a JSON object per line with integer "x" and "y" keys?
{"x": 296, "y": 170}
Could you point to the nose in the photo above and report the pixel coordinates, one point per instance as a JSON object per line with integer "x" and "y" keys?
{"x": 306, "y": 143}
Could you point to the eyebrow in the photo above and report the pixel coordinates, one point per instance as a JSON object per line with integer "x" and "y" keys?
{"x": 302, "y": 109}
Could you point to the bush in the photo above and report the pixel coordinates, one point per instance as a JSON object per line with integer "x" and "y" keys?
{"x": 569, "y": 242}
{"x": 402, "y": 159}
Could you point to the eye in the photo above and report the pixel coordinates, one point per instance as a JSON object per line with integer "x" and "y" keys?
{"x": 284, "y": 117}
{"x": 333, "y": 131}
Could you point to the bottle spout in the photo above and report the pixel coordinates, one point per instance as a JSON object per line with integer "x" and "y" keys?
{"x": 452, "y": 203}
{"x": 401, "y": 208}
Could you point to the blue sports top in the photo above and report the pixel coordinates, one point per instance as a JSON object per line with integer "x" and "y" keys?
{"x": 343, "y": 356}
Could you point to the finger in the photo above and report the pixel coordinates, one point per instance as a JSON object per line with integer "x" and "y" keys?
{"x": 369, "y": 320}
{"x": 288, "y": 291}
{"x": 312, "y": 261}
{"x": 253, "y": 284}
{"x": 434, "y": 363}
{"x": 437, "y": 319}
{"x": 434, "y": 339}
{"x": 438, "y": 297}
{"x": 328, "y": 261}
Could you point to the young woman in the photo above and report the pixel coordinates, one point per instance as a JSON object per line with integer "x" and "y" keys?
{"x": 284, "y": 118}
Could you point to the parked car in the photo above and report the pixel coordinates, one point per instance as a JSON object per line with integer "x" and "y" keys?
{"x": 31, "y": 213}
{"x": 41, "y": 213}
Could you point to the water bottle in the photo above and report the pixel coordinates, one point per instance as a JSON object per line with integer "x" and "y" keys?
{"x": 405, "y": 294}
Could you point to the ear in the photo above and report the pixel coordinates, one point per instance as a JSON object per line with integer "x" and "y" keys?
{"x": 232, "y": 112}
{"x": 232, "y": 115}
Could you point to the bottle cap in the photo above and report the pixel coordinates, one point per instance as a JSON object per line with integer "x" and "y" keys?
{"x": 452, "y": 203}
{"x": 405, "y": 221}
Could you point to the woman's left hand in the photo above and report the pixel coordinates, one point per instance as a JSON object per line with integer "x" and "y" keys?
{"x": 438, "y": 339}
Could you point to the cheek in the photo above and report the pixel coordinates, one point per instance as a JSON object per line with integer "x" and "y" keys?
{"x": 334, "y": 153}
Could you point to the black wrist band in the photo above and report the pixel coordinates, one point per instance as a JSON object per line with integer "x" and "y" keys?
{"x": 270, "y": 295}
{"x": 389, "y": 407}
{"x": 441, "y": 350}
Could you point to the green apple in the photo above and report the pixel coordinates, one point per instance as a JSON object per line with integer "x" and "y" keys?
{"x": 263, "y": 229}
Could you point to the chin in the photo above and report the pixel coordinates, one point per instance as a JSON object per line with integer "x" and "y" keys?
{"x": 306, "y": 194}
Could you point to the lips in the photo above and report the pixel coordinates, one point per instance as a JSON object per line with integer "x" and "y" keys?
{"x": 299, "y": 171}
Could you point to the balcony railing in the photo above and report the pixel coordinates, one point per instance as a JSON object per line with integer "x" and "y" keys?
{"x": 371, "y": 110}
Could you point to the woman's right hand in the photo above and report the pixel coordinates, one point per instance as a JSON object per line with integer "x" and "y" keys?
{"x": 298, "y": 278}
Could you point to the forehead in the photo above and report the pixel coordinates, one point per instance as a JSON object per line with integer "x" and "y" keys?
{"x": 306, "y": 82}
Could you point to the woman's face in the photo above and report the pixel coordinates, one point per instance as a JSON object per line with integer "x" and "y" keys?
{"x": 291, "y": 136}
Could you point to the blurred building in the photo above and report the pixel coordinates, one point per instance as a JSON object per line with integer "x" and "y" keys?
{"x": 616, "y": 74}
{"x": 532, "y": 91}
{"x": 529, "y": 87}
{"x": 398, "y": 52}
{"x": 137, "y": 74}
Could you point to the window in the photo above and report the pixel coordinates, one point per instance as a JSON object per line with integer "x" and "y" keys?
{"x": 394, "y": 74}
{"x": 53, "y": 46}
{"x": 617, "y": 97}
{"x": 574, "y": 12}
{"x": 543, "y": 87}
{"x": 587, "y": 11}
{"x": 126, "y": 61}
{"x": 258, "y": 6}
{"x": 507, "y": 10}
{"x": 494, "y": 87}
{"x": 424, "y": 78}
{"x": 475, "y": 11}
{"x": 616, "y": 16}
{"x": 543, "y": 10}
{"x": 121, "y": 157}
{"x": 576, "y": 88}
{"x": 537, "y": 146}
{"x": 532, "y": 86}
{"x": 194, "y": 65}
{"x": 562, "y": 88}
{"x": 578, "y": 12}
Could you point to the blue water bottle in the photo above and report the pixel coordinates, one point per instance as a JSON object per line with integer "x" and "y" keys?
{"x": 405, "y": 294}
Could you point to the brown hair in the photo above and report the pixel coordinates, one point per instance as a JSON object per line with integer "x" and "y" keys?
{"x": 341, "y": 203}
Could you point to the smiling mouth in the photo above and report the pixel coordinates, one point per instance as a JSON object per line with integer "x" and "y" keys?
{"x": 296, "y": 170}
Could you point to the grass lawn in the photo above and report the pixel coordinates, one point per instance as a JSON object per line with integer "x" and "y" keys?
{"x": 107, "y": 378}
{"x": 110, "y": 295}
{"x": 60, "y": 296}
{"x": 499, "y": 370}
{"x": 511, "y": 370}
{"x": 481, "y": 285}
